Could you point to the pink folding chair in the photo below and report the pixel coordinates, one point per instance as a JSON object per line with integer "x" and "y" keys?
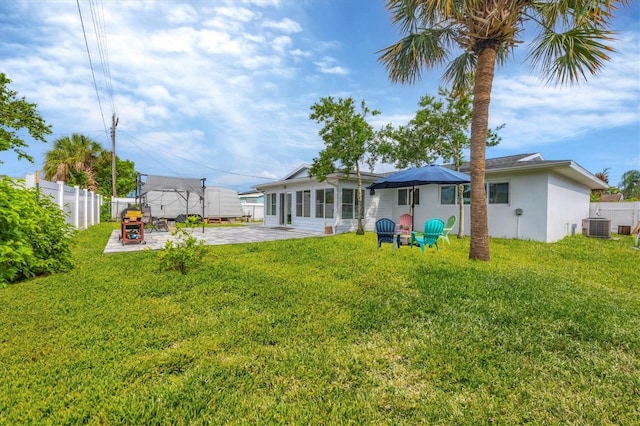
{"x": 405, "y": 226}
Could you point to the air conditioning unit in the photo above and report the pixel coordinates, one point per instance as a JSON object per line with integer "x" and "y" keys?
{"x": 596, "y": 227}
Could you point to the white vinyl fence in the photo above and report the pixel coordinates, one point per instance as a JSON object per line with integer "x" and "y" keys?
{"x": 81, "y": 207}
{"x": 120, "y": 204}
{"x": 620, "y": 213}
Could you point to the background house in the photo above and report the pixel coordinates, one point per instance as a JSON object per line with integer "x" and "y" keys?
{"x": 252, "y": 204}
{"x": 528, "y": 198}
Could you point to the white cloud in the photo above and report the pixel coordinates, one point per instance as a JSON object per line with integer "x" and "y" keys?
{"x": 326, "y": 66}
{"x": 217, "y": 42}
{"x": 286, "y": 25}
{"x": 181, "y": 14}
{"x": 280, "y": 44}
{"x": 236, "y": 13}
{"x": 300, "y": 53}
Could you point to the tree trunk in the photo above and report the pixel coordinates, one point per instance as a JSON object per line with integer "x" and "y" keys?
{"x": 461, "y": 210}
{"x": 479, "y": 246}
{"x": 360, "y": 230}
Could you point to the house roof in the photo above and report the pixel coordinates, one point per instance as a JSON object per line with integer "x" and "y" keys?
{"x": 510, "y": 163}
{"x": 249, "y": 192}
{"x": 611, "y": 197}
{"x": 301, "y": 174}
{"x": 535, "y": 161}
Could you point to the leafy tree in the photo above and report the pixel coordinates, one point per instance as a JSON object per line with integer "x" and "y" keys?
{"x": 630, "y": 184}
{"x": 15, "y": 114}
{"x": 72, "y": 161}
{"x": 125, "y": 175}
{"x": 347, "y": 136}
{"x": 571, "y": 42}
{"x": 440, "y": 128}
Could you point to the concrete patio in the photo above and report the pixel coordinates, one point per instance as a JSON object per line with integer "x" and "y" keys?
{"x": 252, "y": 233}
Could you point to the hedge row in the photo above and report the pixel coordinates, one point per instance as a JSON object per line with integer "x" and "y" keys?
{"x": 34, "y": 236}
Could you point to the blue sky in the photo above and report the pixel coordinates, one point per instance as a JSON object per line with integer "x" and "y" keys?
{"x": 223, "y": 89}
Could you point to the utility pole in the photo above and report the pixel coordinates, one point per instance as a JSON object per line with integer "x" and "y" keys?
{"x": 114, "y": 123}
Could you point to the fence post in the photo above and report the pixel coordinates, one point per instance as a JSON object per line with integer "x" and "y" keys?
{"x": 60, "y": 197}
{"x": 76, "y": 207}
{"x": 92, "y": 208}
{"x": 84, "y": 191}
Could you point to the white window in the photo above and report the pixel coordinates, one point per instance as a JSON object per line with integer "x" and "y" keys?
{"x": 349, "y": 204}
{"x": 271, "y": 204}
{"x": 303, "y": 203}
{"x": 404, "y": 196}
{"x": 324, "y": 203}
{"x": 449, "y": 194}
{"x": 498, "y": 192}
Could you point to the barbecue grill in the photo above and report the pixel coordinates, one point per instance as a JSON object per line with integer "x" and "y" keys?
{"x": 132, "y": 228}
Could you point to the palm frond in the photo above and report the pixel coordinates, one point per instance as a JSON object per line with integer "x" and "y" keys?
{"x": 569, "y": 56}
{"x": 405, "y": 59}
{"x": 460, "y": 72}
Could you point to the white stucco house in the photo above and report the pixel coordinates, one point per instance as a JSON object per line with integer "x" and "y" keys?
{"x": 304, "y": 203}
{"x": 551, "y": 196}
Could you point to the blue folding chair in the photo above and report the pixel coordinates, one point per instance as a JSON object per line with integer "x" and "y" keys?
{"x": 386, "y": 230}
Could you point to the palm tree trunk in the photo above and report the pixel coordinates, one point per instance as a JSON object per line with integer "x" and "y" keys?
{"x": 479, "y": 246}
{"x": 461, "y": 211}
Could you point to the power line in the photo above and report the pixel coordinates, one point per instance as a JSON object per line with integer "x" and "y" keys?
{"x": 95, "y": 84}
{"x": 97, "y": 15}
{"x": 133, "y": 139}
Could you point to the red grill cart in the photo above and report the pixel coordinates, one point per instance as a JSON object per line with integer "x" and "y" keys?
{"x": 132, "y": 228}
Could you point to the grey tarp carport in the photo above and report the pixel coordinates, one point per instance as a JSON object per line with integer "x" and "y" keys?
{"x": 183, "y": 186}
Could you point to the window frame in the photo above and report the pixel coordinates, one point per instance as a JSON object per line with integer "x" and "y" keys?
{"x": 354, "y": 204}
{"x": 271, "y": 209}
{"x": 404, "y": 196}
{"x": 490, "y": 198}
{"x": 487, "y": 188}
{"x": 324, "y": 209}
{"x": 303, "y": 203}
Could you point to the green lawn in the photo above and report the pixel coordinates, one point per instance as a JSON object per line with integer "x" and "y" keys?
{"x": 328, "y": 331}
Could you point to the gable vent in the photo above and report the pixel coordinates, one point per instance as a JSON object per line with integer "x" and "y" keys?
{"x": 596, "y": 227}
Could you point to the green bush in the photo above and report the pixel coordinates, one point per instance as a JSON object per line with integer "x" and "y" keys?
{"x": 34, "y": 236}
{"x": 105, "y": 209}
{"x": 184, "y": 252}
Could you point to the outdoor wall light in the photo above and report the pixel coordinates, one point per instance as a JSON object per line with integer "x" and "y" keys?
{"x": 519, "y": 212}
{"x": 372, "y": 191}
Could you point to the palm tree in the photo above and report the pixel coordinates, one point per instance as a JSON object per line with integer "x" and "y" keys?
{"x": 72, "y": 159}
{"x": 570, "y": 43}
{"x": 630, "y": 184}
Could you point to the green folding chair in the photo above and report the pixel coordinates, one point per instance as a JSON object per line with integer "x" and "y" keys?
{"x": 432, "y": 231}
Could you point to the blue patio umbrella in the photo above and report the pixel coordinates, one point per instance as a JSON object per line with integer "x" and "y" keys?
{"x": 417, "y": 176}
{"x": 425, "y": 175}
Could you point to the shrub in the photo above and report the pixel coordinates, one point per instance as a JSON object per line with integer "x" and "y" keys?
{"x": 34, "y": 236}
{"x": 184, "y": 252}
{"x": 105, "y": 209}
